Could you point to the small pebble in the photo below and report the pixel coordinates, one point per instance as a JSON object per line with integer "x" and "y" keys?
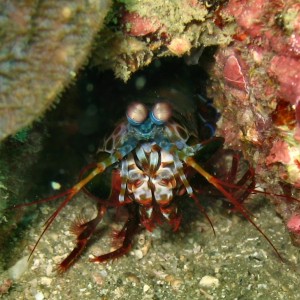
{"x": 209, "y": 281}
{"x": 176, "y": 284}
{"x": 146, "y": 288}
{"x": 39, "y": 296}
{"x": 103, "y": 273}
{"x": 17, "y": 270}
{"x": 46, "y": 281}
{"x": 49, "y": 269}
{"x": 55, "y": 185}
{"x": 98, "y": 279}
{"x": 138, "y": 254}
{"x": 132, "y": 278}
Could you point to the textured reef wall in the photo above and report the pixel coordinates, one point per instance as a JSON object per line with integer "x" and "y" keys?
{"x": 141, "y": 31}
{"x": 43, "y": 44}
{"x": 256, "y": 86}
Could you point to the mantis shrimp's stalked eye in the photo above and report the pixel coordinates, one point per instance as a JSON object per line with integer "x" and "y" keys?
{"x": 137, "y": 113}
{"x": 161, "y": 113}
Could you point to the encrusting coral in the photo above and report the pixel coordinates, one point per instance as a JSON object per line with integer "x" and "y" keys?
{"x": 256, "y": 86}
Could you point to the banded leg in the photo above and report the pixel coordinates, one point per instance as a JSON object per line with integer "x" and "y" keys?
{"x": 234, "y": 172}
{"x": 70, "y": 193}
{"x": 189, "y": 189}
{"x": 246, "y": 183}
{"x": 171, "y": 214}
{"x": 130, "y": 229}
{"x": 238, "y": 206}
{"x": 84, "y": 231}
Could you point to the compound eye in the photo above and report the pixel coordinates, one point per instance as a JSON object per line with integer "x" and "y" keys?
{"x": 136, "y": 113}
{"x": 161, "y": 113}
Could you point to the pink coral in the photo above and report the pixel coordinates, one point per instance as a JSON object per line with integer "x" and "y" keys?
{"x": 257, "y": 91}
{"x": 248, "y": 14}
{"x": 279, "y": 153}
{"x": 136, "y": 25}
{"x": 287, "y": 72}
{"x": 297, "y": 133}
{"x": 179, "y": 46}
{"x": 234, "y": 73}
{"x": 297, "y": 111}
{"x": 297, "y": 130}
{"x": 293, "y": 224}
{"x": 280, "y": 43}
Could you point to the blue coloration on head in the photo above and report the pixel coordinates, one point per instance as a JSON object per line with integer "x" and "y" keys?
{"x": 132, "y": 122}
{"x": 149, "y": 126}
{"x": 145, "y": 130}
{"x": 145, "y": 124}
{"x": 146, "y": 127}
{"x": 155, "y": 120}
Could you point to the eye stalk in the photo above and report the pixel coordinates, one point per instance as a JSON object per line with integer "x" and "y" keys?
{"x": 137, "y": 113}
{"x": 161, "y": 113}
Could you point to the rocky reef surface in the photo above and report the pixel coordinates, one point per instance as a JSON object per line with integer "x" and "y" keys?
{"x": 42, "y": 47}
{"x": 256, "y": 87}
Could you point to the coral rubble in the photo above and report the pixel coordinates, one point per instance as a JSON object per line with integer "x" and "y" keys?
{"x": 141, "y": 31}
